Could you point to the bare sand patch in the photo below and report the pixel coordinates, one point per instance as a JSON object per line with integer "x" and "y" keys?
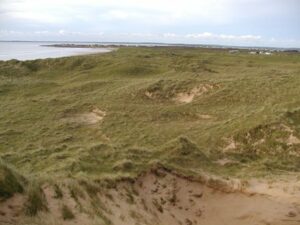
{"x": 293, "y": 140}
{"x": 87, "y": 118}
{"x": 165, "y": 91}
{"x": 149, "y": 94}
{"x": 11, "y": 209}
{"x": 225, "y": 162}
{"x": 205, "y": 116}
{"x": 230, "y": 146}
{"x": 187, "y": 97}
{"x": 259, "y": 142}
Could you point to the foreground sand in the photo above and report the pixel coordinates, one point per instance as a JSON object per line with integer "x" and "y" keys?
{"x": 164, "y": 197}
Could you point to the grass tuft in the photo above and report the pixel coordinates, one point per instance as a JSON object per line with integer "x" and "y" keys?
{"x": 66, "y": 212}
{"x": 36, "y": 200}
{"x": 58, "y": 192}
{"x": 10, "y": 181}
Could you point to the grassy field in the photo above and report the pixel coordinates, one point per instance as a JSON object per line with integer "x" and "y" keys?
{"x": 115, "y": 114}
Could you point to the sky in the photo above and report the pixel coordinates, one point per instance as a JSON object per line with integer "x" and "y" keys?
{"x": 274, "y": 23}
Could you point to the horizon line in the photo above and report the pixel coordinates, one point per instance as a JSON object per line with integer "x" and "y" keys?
{"x": 160, "y": 43}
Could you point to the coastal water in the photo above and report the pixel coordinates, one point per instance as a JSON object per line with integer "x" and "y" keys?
{"x": 35, "y": 50}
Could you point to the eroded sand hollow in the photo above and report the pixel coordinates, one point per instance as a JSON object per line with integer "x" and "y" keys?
{"x": 165, "y": 198}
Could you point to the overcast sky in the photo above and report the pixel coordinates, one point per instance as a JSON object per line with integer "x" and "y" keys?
{"x": 230, "y": 22}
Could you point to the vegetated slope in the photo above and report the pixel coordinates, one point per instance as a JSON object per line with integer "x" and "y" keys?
{"x": 115, "y": 115}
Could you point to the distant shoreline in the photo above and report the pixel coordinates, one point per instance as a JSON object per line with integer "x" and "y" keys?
{"x": 80, "y": 46}
{"x": 34, "y": 50}
{"x": 153, "y": 44}
{"x": 118, "y": 45}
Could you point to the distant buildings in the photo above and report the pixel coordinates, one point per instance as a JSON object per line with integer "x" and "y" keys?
{"x": 260, "y": 53}
{"x": 233, "y": 51}
{"x": 253, "y": 53}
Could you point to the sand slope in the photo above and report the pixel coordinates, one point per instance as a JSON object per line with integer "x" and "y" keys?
{"x": 165, "y": 198}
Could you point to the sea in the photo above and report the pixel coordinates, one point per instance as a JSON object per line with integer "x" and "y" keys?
{"x": 37, "y": 50}
{"x": 30, "y": 50}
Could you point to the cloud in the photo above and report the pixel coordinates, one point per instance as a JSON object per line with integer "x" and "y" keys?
{"x": 45, "y": 34}
{"x": 202, "y": 35}
{"x": 218, "y": 21}
{"x": 169, "y": 35}
{"x": 202, "y": 11}
{"x": 36, "y": 16}
{"x": 61, "y": 32}
{"x": 156, "y": 11}
{"x": 207, "y": 35}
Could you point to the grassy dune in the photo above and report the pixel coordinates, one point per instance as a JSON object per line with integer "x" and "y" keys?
{"x": 115, "y": 114}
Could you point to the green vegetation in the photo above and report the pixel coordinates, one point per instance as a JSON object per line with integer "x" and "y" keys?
{"x": 58, "y": 192}
{"x": 36, "y": 200}
{"x": 114, "y": 115}
{"x": 10, "y": 181}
